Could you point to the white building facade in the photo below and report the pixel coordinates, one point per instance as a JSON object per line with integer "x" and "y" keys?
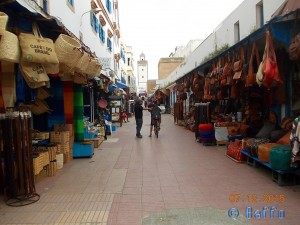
{"x": 96, "y": 24}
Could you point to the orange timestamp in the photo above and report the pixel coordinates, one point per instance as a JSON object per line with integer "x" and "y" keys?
{"x": 255, "y": 198}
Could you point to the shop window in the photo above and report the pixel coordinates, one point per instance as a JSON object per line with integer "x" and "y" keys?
{"x": 109, "y": 44}
{"x": 237, "y": 32}
{"x": 102, "y": 34}
{"x": 259, "y": 15}
{"x": 45, "y": 5}
{"x": 94, "y": 22}
{"x": 108, "y": 5}
{"x": 70, "y": 3}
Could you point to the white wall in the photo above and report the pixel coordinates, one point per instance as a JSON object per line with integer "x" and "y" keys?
{"x": 79, "y": 20}
{"x": 245, "y": 13}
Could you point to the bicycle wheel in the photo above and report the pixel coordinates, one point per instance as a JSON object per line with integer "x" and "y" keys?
{"x": 156, "y": 129}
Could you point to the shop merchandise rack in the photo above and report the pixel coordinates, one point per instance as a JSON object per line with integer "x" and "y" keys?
{"x": 281, "y": 177}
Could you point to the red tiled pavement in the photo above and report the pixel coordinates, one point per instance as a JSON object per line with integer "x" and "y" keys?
{"x": 129, "y": 178}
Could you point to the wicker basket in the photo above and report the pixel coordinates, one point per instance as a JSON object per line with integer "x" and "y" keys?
{"x": 3, "y": 22}
{"x": 59, "y": 137}
{"x": 94, "y": 68}
{"x": 40, "y": 135}
{"x": 9, "y": 47}
{"x": 51, "y": 169}
{"x": 68, "y": 50}
{"x": 83, "y": 63}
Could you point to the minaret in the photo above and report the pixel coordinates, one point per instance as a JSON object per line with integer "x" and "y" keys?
{"x": 142, "y": 74}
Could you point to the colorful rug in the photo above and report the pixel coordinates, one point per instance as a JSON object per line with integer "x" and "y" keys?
{"x": 68, "y": 101}
{"x": 78, "y": 112}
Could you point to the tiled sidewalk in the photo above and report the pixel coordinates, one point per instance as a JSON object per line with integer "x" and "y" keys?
{"x": 129, "y": 179}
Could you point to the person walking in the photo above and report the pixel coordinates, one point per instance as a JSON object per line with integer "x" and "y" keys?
{"x": 138, "y": 113}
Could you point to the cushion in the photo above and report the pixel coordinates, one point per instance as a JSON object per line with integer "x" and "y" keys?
{"x": 265, "y": 131}
{"x": 285, "y": 140}
{"x": 277, "y": 134}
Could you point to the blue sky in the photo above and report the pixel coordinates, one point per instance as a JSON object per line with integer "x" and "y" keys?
{"x": 156, "y": 27}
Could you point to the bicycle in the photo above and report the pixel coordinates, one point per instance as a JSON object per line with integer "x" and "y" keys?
{"x": 156, "y": 127}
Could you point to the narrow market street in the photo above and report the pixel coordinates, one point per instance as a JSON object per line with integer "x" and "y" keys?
{"x": 169, "y": 180}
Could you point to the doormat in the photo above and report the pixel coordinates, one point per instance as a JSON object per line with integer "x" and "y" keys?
{"x": 112, "y": 140}
{"x": 194, "y": 216}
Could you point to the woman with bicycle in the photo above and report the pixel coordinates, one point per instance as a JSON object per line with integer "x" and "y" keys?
{"x": 155, "y": 118}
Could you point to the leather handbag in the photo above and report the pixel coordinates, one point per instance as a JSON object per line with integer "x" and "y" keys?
{"x": 251, "y": 76}
{"x": 238, "y": 65}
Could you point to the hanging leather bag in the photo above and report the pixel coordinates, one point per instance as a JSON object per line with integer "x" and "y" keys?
{"x": 270, "y": 68}
{"x": 238, "y": 65}
{"x": 251, "y": 76}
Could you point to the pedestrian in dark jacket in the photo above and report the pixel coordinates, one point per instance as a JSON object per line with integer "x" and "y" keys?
{"x": 138, "y": 113}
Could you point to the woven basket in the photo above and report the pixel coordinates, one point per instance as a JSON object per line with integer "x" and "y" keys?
{"x": 68, "y": 50}
{"x": 60, "y": 160}
{"x": 3, "y": 22}
{"x": 94, "y": 68}
{"x": 82, "y": 63}
{"x": 51, "y": 169}
{"x": 40, "y": 135}
{"x": 59, "y": 137}
{"x": 9, "y": 47}
{"x": 79, "y": 78}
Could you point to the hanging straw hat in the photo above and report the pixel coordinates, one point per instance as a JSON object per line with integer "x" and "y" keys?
{"x": 3, "y": 22}
{"x": 9, "y": 47}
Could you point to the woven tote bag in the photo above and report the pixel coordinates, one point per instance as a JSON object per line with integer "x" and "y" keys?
{"x": 68, "y": 50}
{"x": 9, "y": 47}
{"x": 34, "y": 74}
{"x": 37, "y": 49}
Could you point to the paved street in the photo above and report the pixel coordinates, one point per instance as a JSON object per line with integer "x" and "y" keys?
{"x": 169, "y": 180}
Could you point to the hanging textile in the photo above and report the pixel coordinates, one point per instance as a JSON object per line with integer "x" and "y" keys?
{"x": 68, "y": 101}
{"x": 2, "y": 106}
{"x": 295, "y": 140}
{"x": 56, "y": 103}
{"x": 78, "y": 112}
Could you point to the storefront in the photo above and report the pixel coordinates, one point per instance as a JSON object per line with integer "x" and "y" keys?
{"x": 248, "y": 91}
{"x": 52, "y": 102}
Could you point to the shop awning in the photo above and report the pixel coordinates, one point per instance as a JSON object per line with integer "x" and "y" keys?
{"x": 121, "y": 85}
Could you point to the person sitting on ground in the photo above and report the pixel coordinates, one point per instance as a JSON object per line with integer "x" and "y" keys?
{"x": 155, "y": 114}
